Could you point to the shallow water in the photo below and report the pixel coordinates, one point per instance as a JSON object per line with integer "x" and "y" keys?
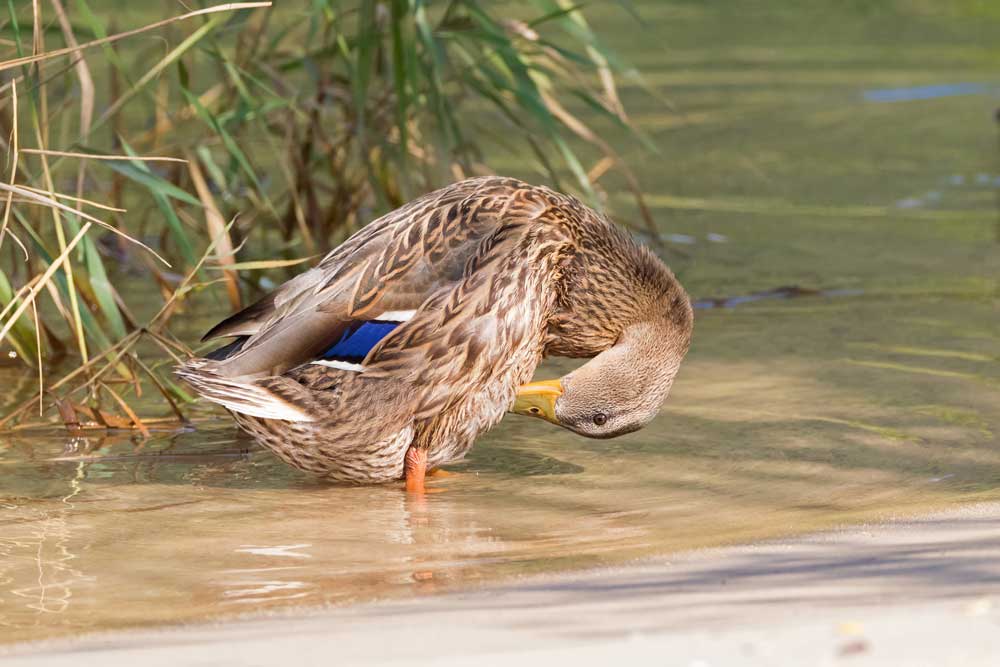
{"x": 874, "y": 391}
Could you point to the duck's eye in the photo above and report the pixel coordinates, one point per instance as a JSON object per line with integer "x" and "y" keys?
{"x": 600, "y": 419}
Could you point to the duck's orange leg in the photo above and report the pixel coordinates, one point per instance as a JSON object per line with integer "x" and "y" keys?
{"x": 415, "y": 467}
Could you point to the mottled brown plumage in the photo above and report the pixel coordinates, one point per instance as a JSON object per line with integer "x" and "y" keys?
{"x": 486, "y": 276}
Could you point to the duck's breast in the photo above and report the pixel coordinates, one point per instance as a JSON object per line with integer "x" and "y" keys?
{"x": 500, "y": 368}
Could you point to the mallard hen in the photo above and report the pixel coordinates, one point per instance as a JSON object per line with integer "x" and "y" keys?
{"x": 420, "y": 331}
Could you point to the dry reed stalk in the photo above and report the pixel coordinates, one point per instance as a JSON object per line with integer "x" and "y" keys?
{"x": 44, "y": 280}
{"x": 95, "y": 156}
{"x": 38, "y": 57}
{"x": 216, "y": 226}
{"x": 52, "y": 203}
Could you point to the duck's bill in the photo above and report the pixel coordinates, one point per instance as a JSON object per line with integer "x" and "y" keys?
{"x": 538, "y": 399}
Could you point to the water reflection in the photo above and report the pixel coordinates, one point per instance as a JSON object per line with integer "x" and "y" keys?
{"x": 782, "y": 421}
{"x": 101, "y": 531}
{"x": 40, "y": 542}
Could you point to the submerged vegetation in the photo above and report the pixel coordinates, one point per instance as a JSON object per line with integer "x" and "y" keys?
{"x": 205, "y": 149}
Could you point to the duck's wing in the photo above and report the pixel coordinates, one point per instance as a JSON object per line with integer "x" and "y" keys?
{"x": 464, "y": 337}
{"x": 386, "y": 272}
{"x": 480, "y": 335}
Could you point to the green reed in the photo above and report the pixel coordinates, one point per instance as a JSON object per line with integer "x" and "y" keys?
{"x": 204, "y": 149}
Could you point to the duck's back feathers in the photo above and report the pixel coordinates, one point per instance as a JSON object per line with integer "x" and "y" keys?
{"x": 387, "y": 272}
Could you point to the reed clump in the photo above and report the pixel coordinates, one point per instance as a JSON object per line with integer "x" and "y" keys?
{"x": 209, "y": 152}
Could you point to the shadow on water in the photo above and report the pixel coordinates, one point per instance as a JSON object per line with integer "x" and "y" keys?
{"x": 772, "y": 579}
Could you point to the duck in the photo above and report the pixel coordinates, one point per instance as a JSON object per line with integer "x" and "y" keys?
{"x": 388, "y": 358}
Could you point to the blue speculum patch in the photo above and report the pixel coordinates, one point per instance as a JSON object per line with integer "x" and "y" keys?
{"x": 359, "y": 340}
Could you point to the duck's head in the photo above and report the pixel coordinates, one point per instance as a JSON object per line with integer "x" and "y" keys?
{"x": 621, "y": 389}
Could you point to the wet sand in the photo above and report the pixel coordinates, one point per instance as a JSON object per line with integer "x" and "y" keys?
{"x": 918, "y": 591}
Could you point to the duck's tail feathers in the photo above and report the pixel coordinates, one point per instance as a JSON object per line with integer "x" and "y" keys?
{"x": 239, "y": 395}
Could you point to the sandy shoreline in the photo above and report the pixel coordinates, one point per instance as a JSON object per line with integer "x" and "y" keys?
{"x": 916, "y": 591}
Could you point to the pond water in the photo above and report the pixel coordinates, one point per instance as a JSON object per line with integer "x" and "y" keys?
{"x": 847, "y": 153}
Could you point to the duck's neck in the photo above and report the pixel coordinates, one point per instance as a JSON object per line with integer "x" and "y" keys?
{"x": 610, "y": 290}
